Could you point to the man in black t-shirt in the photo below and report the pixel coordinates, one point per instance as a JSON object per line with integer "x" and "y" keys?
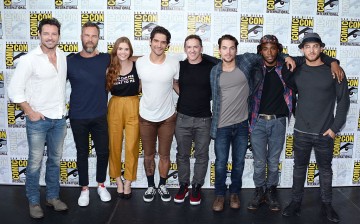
{"x": 193, "y": 119}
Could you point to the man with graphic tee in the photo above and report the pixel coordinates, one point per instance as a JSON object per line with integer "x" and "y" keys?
{"x": 315, "y": 125}
{"x": 158, "y": 74}
{"x": 193, "y": 119}
{"x": 38, "y": 86}
{"x": 88, "y": 109}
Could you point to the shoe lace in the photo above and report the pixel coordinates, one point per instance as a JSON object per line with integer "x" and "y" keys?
{"x": 150, "y": 190}
{"x": 163, "y": 189}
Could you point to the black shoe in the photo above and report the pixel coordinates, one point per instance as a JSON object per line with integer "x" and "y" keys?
{"x": 271, "y": 199}
{"x": 258, "y": 198}
{"x": 292, "y": 209}
{"x": 329, "y": 212}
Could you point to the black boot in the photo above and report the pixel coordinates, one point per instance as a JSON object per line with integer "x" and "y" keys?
{"x": 329, "y": 212}
{"x": 271, "y": 199}
{"x": 292, "y": 209}
{"x": 258, "y": 198}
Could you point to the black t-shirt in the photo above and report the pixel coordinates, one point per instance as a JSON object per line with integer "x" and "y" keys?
{"x": 195, "y": 90}
{"x": 126, "y": 85}
{"x": 272, "y": 97}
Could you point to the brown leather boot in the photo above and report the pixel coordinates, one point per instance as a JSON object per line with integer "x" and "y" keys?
{"x": 218, "y": 204}
{"x": 234, "y": 201}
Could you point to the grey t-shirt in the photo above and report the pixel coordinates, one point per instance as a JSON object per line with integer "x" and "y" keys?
{"x": 234, "y": 90}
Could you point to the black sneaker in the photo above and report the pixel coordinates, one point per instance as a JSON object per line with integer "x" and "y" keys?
{"x": 259, "y": 195}
{"x": 149, "y": 194}
{"x": 164, "y": 193}
{"x": 329, "y": 212}
{"x": 292, "y": 209}
{"x": 271, "y": 199}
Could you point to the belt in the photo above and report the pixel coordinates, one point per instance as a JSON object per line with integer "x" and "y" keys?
{"x": 270, "y": 117}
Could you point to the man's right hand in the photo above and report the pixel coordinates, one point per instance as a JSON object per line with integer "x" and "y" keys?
{"x": 35, "y": 116}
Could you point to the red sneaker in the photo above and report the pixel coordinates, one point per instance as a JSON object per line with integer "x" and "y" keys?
{"x": 182, "y": 194}
{"x": 195, "y": 196}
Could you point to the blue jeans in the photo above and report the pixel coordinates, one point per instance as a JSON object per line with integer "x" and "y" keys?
{"x": 323, "y": 147}
{"x": 52, "y": 132}
{"x": 237, "y": 136}
{"x": 267, "y": 141}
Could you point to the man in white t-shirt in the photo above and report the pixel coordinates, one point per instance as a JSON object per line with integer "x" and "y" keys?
{"x": 159, "y": 74}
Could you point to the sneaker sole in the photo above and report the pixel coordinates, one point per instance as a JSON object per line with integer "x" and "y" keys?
{"x": 166, "y": 199}
{"x": 195, "y": 202}
{"x": 148, "y": 200}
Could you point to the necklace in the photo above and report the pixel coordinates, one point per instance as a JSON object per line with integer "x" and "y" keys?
{"x": 269, "y": 70}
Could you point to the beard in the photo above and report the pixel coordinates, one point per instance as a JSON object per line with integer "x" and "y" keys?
{"x": 89, "y": 49}
{"x": 312, "y": 59}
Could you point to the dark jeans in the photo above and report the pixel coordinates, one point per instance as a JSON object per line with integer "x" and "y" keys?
{"x": 235, "y": 135}
{"x": 98, "y": 128}
{"x": 190, "y": 129}
{"x": 323, "y": 147}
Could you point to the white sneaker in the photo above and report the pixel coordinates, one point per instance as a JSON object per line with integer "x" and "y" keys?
{"x": 104, "y": 194}
{"x": 84, "y": 198}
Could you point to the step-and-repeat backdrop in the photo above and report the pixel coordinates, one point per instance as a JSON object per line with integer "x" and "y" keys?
{"x": 337, "y": 22}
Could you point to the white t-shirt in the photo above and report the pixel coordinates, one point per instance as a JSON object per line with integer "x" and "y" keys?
{"x": 156, "y": 103}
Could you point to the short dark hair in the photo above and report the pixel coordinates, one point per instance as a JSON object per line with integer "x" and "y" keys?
{"x": 193, "y": 36}
{"x": 49, "y": 21}
{"x": 228, "y": 37}
{"x": 161, "y": 30}
{"x": 90, "y": 24}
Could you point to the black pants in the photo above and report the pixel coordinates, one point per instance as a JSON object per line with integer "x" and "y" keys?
{"x": 98, "y": 128}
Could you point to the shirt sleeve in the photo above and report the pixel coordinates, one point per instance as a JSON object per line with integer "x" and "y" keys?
{"x": 343, "y": 104}
{"x": 177, "y": 67}
{"x": 17, "y": 86}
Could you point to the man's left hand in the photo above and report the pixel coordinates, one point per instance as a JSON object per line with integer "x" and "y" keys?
{"x": 290, "y": 63}
{"x": 337, "y": 71}
{"x": 330, "y": 133}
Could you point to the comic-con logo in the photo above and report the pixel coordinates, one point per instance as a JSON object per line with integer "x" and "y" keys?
{"x": 353, "y": 84}
{"x": 92, "y": 152}
{"x": 18, "y": 170}
{"x": 109, "y": 47}
{"x": 14, "y": 51}
{"x": 313, "y": 174}
{"x": 69, "y": 172}
{"x": 119, "y": 4}
{"x": 172, "y": 4}
{"x": 199, "y": 24}
{"x": 141, "y": 150}
{"x": 35, "y": 18}
{"x": 66, "y": 4}
{"x": 16, "y": 117}
{"x": 94, "y": 17}
{"x": 278, "y": 6}
{"x": 356, "y": 173}
{"x": 343, "y": 146}
{"x": 172, "y": 179}
{"x": 251, "y": 28}
{"x": 226, "y": 5}
{"x": 69, "y": 47}
{"x": 327, "y": 7}
{"x": 350, "y": 33}
{"x": 212, "y": 174}
{"x": 216, "y": 52}
{"x": 300, "y": 27}
{"x": 289, "y": 146}
{"x": 144, "y": 23}
{"x": 2, "y": 89}
{"x": 3, "y": 142}
{"x": 14, "y": 4}
{"x": 331, "y": 52}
